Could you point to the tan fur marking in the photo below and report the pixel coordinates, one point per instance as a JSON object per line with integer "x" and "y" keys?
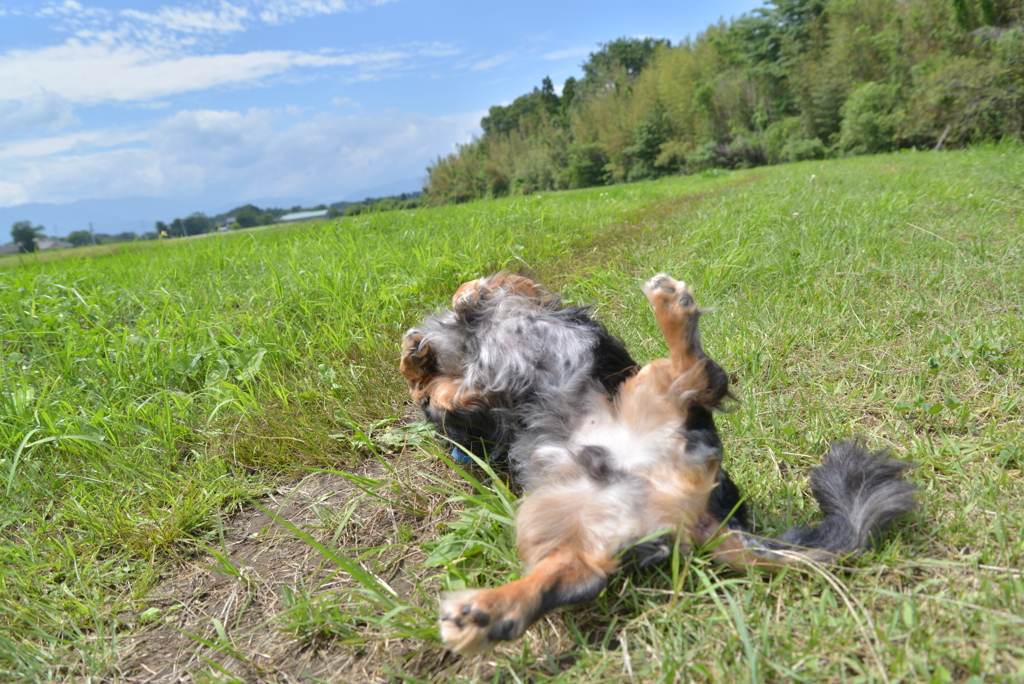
{"x": 469, "y": 293}
{"x": 728, "y": 547}
{"x": 678, "y": 321}
{"x": 519, "y": 600}
{"x": 443, "y": 391}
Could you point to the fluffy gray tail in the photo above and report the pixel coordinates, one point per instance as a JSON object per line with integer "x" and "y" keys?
{"x": 860, "y": 492}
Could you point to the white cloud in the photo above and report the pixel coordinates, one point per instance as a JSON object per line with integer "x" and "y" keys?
{"x": 73, "y": 11}
{"x": 278, "y": 11}
{"x": 347, "y": 102}
{"x": 218, "y": 16}
{"x": 437, "y": 49}
{"x": 137, "y": 55}
{"x": 12, "y": 194}
{"x": 85, "y": 140}
{"x": 227, "y": 18}
{"x": 223, "y": 156}
{"x": 146, "y": 56}
{"x": 43, "y": 112}
{"x": 95, "y": 72}
{"x": 569, "y": 52}
{"x": 491, "y": 62}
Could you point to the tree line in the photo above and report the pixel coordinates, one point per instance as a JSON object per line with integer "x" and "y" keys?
{"x": 798, "y": 79}
{"x": 250, "y": 216}
{"x": 25, "y": 235}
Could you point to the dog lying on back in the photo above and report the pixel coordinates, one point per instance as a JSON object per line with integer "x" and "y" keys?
{"x": 609, "y": 455}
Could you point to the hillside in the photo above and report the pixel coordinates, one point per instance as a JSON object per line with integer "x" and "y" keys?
{"x": 795, "y": 80}
{"x": 150, "y": 397}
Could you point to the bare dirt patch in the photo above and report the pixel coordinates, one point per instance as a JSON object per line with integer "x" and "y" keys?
{"x": 219, "y": 624}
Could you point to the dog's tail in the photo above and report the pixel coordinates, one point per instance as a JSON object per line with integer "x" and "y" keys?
{"x": 860, "y": 493}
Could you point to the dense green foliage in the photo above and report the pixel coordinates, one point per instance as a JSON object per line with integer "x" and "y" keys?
{"x": 801, "y": 79}
{"x": 251, "y": 216}
{"x": 245, "y": 216}
{"x": 81, "y": 238}
{"x": 24, "y": 234}
{"x": 405, "y": 200}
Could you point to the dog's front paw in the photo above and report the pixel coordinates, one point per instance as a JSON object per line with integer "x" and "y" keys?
{"x": 417, "y": 360}
{"x": 473, "y": 620}
{"x": 468, "y": 296}
{"x": 664, "y": 293}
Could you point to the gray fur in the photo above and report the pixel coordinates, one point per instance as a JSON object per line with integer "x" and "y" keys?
{"x": 535, "y": 359}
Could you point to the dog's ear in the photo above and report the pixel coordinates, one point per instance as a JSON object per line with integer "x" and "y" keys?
{"x": 475, "y": 432}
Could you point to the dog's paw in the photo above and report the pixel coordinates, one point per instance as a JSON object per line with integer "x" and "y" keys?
{"x": 473, "y": 620}
{"x": 416, "y": 356}
{"x": 468, "y": 295}
{"x": 670, "y": 295}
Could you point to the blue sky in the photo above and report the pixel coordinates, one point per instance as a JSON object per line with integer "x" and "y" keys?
{"x": 225, "y": 101}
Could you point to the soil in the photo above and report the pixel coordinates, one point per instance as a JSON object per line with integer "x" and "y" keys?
{"x": 269, "y": 561}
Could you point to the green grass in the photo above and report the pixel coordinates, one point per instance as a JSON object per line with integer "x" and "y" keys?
{"x": 146, "y": 393}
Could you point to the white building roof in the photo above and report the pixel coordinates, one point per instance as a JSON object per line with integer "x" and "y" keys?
{"x": 305, "y": 215}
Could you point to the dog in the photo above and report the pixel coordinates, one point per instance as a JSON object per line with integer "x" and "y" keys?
{"x": 616, "y": 462}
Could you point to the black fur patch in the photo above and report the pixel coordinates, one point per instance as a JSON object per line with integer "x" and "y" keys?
{"x": 581, "y": 592}
{"x": 476, "y": 432}
{"x": 597, "y": 464}
{"x": 613, "y": 364}
{"x": 647, "y": 553}
{"x": 726, "y": 503}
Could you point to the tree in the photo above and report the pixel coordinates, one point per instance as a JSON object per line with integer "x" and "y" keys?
{"x": 628, "y": 54}
{"x": 568, "y": 93}
{"x": 247, "y": 216}
{"x": 80, "y": 238}
{"x": 869, "y": 124}
{"x": 25, "y": 234}
{"x": 197, "y": 224}
{"x": 533, "y": 107}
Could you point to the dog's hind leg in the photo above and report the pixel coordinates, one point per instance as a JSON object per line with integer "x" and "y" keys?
{"x": 568, "y": 536}
{"x": 682, "y": 392}
{"x": 472, "y": 621}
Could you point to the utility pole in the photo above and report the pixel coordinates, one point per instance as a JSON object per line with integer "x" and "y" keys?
{"x": 91, "y": 234}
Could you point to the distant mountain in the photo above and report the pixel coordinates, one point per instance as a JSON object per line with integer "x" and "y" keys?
{"x": 112, "y": 216}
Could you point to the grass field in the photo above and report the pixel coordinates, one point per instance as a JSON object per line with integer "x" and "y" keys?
{"x": 150, "y": 396}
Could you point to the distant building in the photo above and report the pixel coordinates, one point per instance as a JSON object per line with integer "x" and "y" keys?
{"x": 304, "y": 216}
{"x": 228, "y": 222}
{"x": 43, "y": 244}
